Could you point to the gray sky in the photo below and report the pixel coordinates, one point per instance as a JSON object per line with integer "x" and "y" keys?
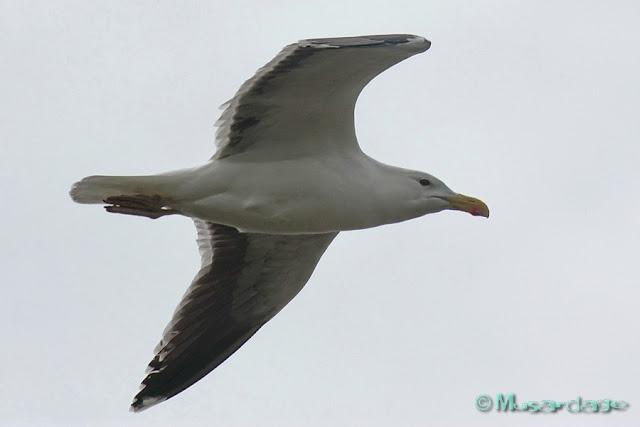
{"x": 530, "y": 106}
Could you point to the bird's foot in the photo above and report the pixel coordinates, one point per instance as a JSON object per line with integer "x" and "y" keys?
{"x": 148, "y": 206}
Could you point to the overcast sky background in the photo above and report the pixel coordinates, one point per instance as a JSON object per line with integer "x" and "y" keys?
{"x": 531, "y": 106}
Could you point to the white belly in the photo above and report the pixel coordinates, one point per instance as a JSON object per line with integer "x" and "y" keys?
{"x": 289, "y": 197}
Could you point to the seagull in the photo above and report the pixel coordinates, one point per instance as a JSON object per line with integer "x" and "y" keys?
{"x": 288, "y": 176}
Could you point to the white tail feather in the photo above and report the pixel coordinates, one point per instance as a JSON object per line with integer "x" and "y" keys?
{"x": 95, "y": 189}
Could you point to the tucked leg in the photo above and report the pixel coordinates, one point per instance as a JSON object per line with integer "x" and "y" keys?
{"x": 141, "y": 205}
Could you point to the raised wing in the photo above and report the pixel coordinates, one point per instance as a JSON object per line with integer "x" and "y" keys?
{"x": 303, "y": 100}
{"x": 244, "y": 281}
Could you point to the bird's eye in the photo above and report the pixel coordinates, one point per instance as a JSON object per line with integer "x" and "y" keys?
{"x": 424, "y": 182}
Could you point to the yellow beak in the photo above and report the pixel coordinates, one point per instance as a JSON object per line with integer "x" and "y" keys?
{"x": 475, "y": 207}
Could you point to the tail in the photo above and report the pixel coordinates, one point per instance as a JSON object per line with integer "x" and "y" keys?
{"x": 95, "y": 189}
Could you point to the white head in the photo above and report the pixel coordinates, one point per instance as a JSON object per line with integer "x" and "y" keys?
{"x": 425, "y": 194}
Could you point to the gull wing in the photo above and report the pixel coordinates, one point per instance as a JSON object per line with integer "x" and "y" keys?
{"x": 303, "y": 100}
{"x": 245, "y": 280}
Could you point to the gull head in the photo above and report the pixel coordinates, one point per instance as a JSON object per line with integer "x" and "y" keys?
{"x": 430, "y": 195}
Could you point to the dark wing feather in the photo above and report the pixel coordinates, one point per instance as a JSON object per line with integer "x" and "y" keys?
{"x": 244, "y": 281}
{"x": 308, "y": 90}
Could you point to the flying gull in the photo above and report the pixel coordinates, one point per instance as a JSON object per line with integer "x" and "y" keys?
{"x": 288, "y": 175}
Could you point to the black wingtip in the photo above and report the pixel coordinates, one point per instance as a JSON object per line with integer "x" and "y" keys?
{"x": 368, "y": 41}
{"x": 142, "y": 402}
